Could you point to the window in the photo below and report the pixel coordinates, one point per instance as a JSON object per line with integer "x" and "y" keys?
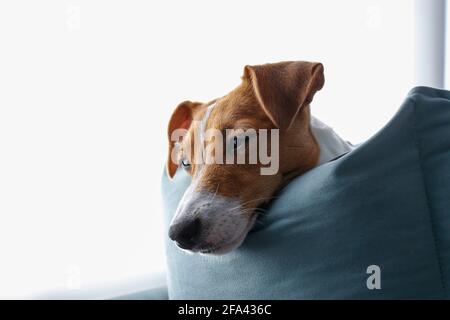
{"x": 88, "y": 88}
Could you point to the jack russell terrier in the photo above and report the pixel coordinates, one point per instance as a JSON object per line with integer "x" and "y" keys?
{"x": 224, "y": 199}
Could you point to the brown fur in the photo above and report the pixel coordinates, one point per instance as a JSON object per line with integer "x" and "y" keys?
{"x": 270, "y": 96}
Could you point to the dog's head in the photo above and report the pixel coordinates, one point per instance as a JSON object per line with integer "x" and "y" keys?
{"x": 266, "y": 121}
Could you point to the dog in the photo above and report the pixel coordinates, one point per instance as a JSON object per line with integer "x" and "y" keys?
{"x": 222, "y": 202}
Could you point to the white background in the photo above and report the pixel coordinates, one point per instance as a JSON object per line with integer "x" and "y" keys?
{"x": 86, "y": 89}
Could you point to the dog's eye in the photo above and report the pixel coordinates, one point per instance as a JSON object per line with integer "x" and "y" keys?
{"x": 185, "y": 163}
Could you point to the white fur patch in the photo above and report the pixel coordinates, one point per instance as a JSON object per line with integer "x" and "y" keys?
{"x": 331, "y": 145}
{"x": 204, "y": 122}
{"x": 224, "y": 226}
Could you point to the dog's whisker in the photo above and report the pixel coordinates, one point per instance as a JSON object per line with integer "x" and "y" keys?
{"x": 215, "y": 193}
{"x": 254, "y": 200}
{"x": 245, "y": 211}
{"x": 240, "y": 209}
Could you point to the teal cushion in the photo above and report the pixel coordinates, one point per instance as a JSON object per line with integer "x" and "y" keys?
{"x": 157, "y": 293}
{"x": 387, "y": 203}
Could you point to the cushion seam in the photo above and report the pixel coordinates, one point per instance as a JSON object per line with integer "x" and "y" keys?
{"x": 430, "y": 210}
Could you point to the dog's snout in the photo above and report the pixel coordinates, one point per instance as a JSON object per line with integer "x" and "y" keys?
{"x": 186, "y": 233}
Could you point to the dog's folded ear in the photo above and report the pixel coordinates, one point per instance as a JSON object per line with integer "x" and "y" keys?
{"x": 181, "y": 119}
{"x": 284, "y": 88}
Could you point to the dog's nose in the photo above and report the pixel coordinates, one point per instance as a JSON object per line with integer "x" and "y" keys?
{"x": 186, "y": 233}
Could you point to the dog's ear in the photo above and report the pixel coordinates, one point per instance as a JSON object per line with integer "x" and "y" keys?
{"x": 284, "y": 88}
{"x": 180, "y": 119}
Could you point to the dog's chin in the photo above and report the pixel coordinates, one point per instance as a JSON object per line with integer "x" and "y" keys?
{"x": 228, "y": 246}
